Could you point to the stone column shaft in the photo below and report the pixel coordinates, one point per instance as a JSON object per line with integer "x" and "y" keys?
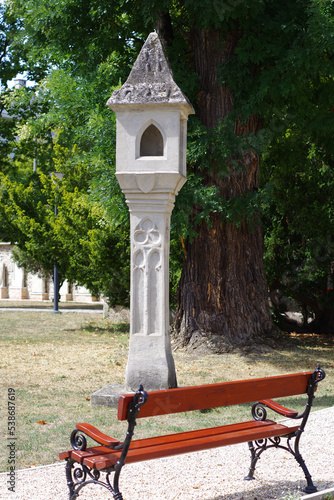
{"x": 150, "y": 360}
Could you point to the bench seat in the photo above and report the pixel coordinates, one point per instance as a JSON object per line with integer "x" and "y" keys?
{"x": 101, "y": 457}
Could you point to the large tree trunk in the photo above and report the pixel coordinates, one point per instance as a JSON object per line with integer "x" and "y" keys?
{"x": 324, "y": 322}
{"x": 223, "y": 289}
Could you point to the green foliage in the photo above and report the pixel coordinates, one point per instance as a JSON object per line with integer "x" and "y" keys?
{"x": 290, "y": 73}
{"x": 25, "y": 140}
{"x": 65, "y": 126}
{"x": 199, "y": 202}
{"x": 217, "y": 149}
{"x": 87, "y": 248}
{"x": 298, "y": 210}
{"x": 10, "y": 54}
{"x": 78, "y": 35}
{"x": 24, "y": 213}
{"x": 281, "y": 69}
{"x": 96, "y": 253}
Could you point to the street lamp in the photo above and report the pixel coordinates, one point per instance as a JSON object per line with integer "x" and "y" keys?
{"x": 59, "y": 176}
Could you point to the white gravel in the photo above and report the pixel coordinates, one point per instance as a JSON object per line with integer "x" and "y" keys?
{"x": 209, "y": 475}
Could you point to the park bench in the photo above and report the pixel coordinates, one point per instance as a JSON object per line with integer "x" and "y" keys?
{"x": 85, "y": 465}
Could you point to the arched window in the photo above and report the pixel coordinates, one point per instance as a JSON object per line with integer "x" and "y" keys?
{"x": 152, "y": 143}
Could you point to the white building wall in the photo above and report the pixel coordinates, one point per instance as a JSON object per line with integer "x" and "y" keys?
{"x": 16, "y": 285}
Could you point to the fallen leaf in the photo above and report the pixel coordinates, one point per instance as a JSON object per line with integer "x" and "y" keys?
{"x": 42, "y": 422}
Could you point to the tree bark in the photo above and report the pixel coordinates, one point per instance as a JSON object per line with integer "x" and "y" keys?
{"x": 324, "y": 322}
{"x": 223, "y": 290}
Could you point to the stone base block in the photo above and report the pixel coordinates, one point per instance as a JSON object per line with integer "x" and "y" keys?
{"x": 108, "y": 395}
{"x": 154, "y": 372}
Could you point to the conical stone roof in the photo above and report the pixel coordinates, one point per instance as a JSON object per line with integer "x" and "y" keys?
{"x": 150, "y": 80}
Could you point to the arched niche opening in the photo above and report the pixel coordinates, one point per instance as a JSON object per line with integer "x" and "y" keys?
{"x": 151, "y": 142}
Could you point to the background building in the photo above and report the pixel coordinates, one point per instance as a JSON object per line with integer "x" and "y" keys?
{"x": 16, "y": 284}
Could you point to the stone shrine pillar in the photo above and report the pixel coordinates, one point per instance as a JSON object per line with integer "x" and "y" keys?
{"x": 151, "y": 117}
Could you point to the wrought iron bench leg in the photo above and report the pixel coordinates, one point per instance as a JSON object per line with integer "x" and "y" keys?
{"x": 310, "y": 488}
{"x": 117, "y": 494}
{"x": 254, "y": 459}
{"x": 264, "y": 444}
{"x": 68, "y": 469}
{"x": 80, "y": 477}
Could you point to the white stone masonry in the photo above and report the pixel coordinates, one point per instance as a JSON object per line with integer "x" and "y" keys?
{"x": 151, "y": 117}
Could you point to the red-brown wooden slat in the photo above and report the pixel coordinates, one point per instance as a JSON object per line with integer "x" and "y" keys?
{"x": 79, "y": 455}
{"x": 103, "y": 461}
{"x": 210, "y": 431}
{"x": 147, "y": 452}
{"x": 64, "y": 454}
{"x": 214, "y": 395}
{"x": 207, "y": 442}
{"x": 286, "y": 412}
{"x": 98, "y": 436}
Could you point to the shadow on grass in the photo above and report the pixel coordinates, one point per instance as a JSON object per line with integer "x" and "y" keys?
{"x": 311, "y": 340}
{"x": 306, "y": 349}
{"x": 103, "y": 329}
{"x": 108, "y": 328}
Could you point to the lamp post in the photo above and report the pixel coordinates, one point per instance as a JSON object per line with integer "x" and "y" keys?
{"x": 59, "y": 176}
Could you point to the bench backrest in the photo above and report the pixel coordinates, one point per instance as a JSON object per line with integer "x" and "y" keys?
{"x": 214, "y": 395}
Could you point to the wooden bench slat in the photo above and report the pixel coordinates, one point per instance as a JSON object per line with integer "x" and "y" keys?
{"x": 101, "y": 462}
{"x": 65, "y": 454}
{"x": 214, "y": 395}
{"x": 177, "y": 444}
{"x": 95, "y": 451}
{"x": 79, "y": 455}
{"x": 210, "y": 431}
{"x": 98, "y": 436}
{"x": 206, "y": 442}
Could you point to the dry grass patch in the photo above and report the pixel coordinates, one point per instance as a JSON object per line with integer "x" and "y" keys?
{"x": 55, "y": 363}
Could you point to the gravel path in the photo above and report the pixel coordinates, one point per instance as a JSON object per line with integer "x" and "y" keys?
{"x": 209, "y": 475}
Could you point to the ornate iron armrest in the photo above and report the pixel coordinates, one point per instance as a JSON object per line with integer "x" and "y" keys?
{"x": 259, "y": 412}
{"x": 78, "y": 441}
{"x": 286, "y": 412}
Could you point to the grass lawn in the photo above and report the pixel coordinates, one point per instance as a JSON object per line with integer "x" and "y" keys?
{"x": 54, "y": 362}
